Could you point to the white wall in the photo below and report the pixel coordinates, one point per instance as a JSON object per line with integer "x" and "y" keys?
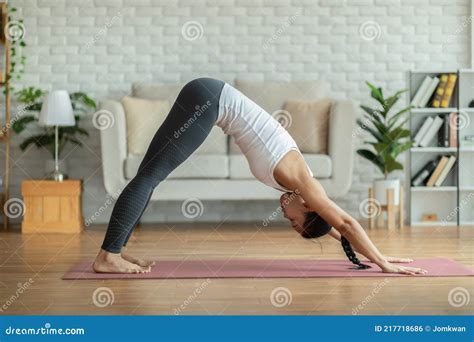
{"x": 102, "y": 46}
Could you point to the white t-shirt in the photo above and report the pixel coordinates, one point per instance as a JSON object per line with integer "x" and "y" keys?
{"x": 260, "y": 137}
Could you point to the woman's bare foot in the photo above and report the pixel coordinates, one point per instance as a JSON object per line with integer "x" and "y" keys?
{"x": 106, "y": 262}
{"x": 136, "y": 261}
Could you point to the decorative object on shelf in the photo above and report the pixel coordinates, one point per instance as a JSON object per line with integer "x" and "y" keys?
{"x": 52, "y": 207}
{"x": 468, "y": 140}
{"x": 471, "y": 104}
{"x": 391, "y": 139}
{"x": 32, "y": 97}
{"x": 375, "y": 209}
{"x": 431, "y": 217}
{"x": 57, "y": 111}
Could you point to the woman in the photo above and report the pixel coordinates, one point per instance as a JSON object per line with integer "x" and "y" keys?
{"x": 273, "y": 157}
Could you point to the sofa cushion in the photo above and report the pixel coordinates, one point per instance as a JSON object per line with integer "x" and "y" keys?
{"x": 143, "y": 118}
{"x": 320, "y": 165}
{"x": 215, "y": 143}
{"x": 309, "y": 124}
{"x": 196, "y": 166}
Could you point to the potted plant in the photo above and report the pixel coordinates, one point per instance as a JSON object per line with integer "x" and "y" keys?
{"x": 390, "y": 140}
{"x": 32, "y": 97}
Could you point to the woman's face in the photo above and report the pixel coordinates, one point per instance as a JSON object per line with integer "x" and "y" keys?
{"x": 294, "y": 209}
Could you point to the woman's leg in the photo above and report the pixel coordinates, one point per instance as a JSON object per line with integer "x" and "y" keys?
{"x": 189, "y": 122}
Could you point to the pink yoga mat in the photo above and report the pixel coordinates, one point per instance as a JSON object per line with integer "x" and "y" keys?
{"x": 268, "y": 269}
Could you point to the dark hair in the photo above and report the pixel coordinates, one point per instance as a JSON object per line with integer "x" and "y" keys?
{"x": 315, "y": 226}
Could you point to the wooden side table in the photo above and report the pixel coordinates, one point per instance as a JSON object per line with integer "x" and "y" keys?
{"x": 52, "y": 207}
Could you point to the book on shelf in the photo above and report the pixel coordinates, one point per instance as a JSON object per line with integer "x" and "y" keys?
{"x": 432, "y": 131}
{"x": 444, "y": 173}
{"x": 429, "y": 92}
{"x": 439, "y": 89}
{"x": 421, "y": 91}
{"x": 453, "y": 136}
{"x": 421, "y": 176}
{"x": 443, "y": 132}
{"x": 437, "y": 171}
{"x": 438, "y": 96}
{"x": 448, "y": 91}
{"x": 422, "y": 130}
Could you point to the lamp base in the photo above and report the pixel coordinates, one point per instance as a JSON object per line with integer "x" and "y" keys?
{"x": 57, "y": 176}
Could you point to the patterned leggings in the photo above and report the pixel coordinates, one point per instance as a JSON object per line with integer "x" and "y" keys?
{"x": 187, "y": 125}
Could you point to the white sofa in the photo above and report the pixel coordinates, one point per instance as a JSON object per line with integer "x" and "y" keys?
{"x": 218, "y": 171}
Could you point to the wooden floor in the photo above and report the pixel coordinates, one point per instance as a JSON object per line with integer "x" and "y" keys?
{"x": 45, "y": 258}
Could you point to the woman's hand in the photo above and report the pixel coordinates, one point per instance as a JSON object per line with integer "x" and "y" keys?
{"x": 387, "y": 267}
{"x": 395, "y": 259}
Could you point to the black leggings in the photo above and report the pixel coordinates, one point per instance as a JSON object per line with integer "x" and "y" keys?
{"x": 187, "y": 125}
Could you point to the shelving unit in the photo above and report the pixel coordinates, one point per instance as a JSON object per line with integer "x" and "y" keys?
{"x": 453, "y": 201}
{"x": 5, "y": 126}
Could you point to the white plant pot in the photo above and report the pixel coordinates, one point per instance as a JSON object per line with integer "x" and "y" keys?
{"x": 49, "y": 166}
{"x": 380, "y": 190}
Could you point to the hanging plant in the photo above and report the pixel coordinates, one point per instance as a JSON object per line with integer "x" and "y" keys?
{"x": 15, "y": 33}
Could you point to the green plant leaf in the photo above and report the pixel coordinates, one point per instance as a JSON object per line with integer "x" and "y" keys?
{"x": 400, "y": 148}
{"x": 376, "y": 93}
{"x": 391, "y": 165}
{"x": 20, "y": 124}
{"x": 74, "y": 141}
{"x": 369, "y": 129}
{"x": 392, "y": 100}
{"x": 393, "y": 119}
{"x": 372, "y": 113}
{"x": 372, "y": 157}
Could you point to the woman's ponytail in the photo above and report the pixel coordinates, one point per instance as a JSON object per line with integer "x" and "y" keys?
{"x": 351, "y": 254}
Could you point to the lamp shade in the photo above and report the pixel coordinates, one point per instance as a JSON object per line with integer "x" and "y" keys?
{"x": 57, "y": 110}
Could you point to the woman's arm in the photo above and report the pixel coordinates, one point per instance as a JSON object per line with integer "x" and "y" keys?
{"x": 316, "y": 199}
{"x": 293, "y": 174}
{"x": 335, "y": 234}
